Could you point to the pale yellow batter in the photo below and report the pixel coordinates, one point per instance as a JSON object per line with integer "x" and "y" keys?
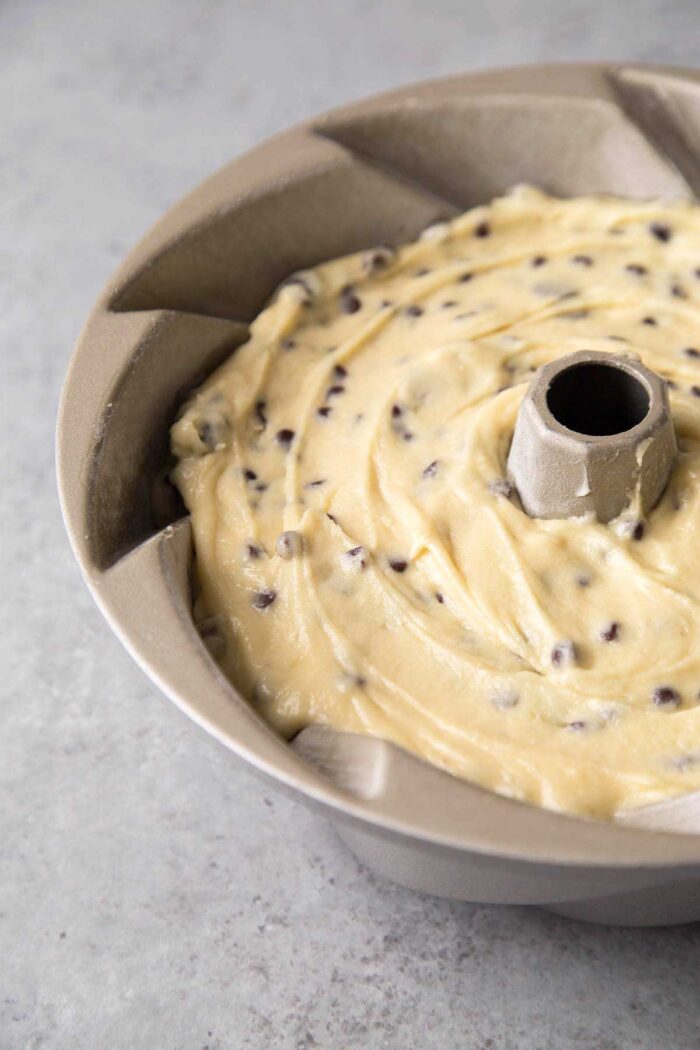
{"x": 363, "y": 562}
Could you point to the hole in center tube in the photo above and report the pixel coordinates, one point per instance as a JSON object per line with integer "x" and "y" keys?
{"x": 597, "y": 400}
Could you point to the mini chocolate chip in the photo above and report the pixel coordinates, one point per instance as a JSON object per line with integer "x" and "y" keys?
{"x": 396, "y": 411}
{"x": 431, "y": 470}
{"x": 666, "y": 696}
{"x": 260, "y": 413}
{"x": 678, "y": 291}
{"x": 340, "y": 372}
{"x": 334, "y": 391}
{"x": 289, "y": 544}
{"x": 324, "y": 411}
{"x": 355, "y": 559}
{"x": 610, "y": 633}
{"x": 449, "y": 303}
{"x": 414, "y": 310}
{"x": 539, "y": 260}
{"x": 315, "y": 484}
{"x": 576, "y": 727}
{"x": 482, "y": 230}
{"x": 407, "y": 435}
{"x": 253, "y": 551}
{"x": 695, "y": 390}
{"x": 288, "y": 344}
{"x": 662, "y": 232}
{"x": 464, "y": 278}
{"x": 285, "y": 437}
{"x": 564, "y": 654}
{"x": 501, "y": 487}
{"x": 263, "y": 599}
{"x": 636, "y": 268}
{"x": 583, "y": 581}
{"x": 696, "y": 272}
{"x": 250, "y": 475}
{"x": 423, "y": 272}
{"x": 582, "y": 260}
{"x": 398, "y": 565}
{"x": 649, "y": 320}
{"x": 261, "y": 487}
{"x": 349, "y": 302}
{"x": 637, "y": 531}
{"x": 690, "y": 351}
{"x": 206, "y": 434}
{"x": 439, "y": 598}
{"x": 377, "y": 259}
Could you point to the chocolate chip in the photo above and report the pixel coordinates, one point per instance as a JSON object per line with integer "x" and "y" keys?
{"x": 649, "y": 320}
{"x": 539, "y": 260}
{"x": 431, "y": 470}
{"x": 482, "y": 230}
{"x": 260, "y": 413}
{"x": 355, "y": 560}
{"x": 250, "y": 475}
{"x": 414, "y": 310}
{"x": 636, "y": 268}
{"x": 396, "y": 411}
{"x": 582, "y": 260}
{"x": 423, "y": 272}
{"x": 464, "y": 278}
{"x": 285, "y": 437}
{"x": 564, "y": 654}
{"x": 583, "y": 581}
{"x": 398, "y": 565}
{"x": 288, "y": 344}
{"x": 263, "y": 599}
{"x": 678, "y": 291}
{"x": 377, "y": 259}
{"x": 662, "y": 232}
{"x": 315, "y": 484}
{"x": 637, "y": 530}
{"x": 690, "y": 351}
{"x": 666, "y": 696}
{"x": 449, "y": 303}
{"x": 340, "y": 372}
{"x": 261, "y": 487}
{"x": 349, "y": 302}
{"x": 334, "y": 391}
{"x": 610, "y": 633}
{"x": 407, "y": 435}
{"x": 501, "y": 487}
{"x": 439, "y": 598}
{"x": 289, "y": 544}
{"x": 324, "y": 411}
{"x": 695, "y": 390}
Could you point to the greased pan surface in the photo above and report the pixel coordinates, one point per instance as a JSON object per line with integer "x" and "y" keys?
{"x": 377, "y": 171}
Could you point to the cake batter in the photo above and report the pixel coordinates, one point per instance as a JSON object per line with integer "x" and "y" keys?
{"x": 363, "y": 561}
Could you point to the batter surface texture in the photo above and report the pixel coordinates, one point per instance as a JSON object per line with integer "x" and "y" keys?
{"x": 362, "y": 560}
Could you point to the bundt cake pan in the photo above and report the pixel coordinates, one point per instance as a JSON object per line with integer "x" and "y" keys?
{"x": 375, "y": 172}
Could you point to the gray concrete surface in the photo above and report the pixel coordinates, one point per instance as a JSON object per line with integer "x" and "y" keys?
{"x": 152, "y": 893}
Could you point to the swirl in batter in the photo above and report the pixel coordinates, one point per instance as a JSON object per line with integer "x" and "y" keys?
{"x": 363, "y": 562}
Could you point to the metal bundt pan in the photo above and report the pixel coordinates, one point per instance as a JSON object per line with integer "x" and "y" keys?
{"x": 375, "y": 172}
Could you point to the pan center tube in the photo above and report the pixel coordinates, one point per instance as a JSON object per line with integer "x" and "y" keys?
{"x": 593, "y": 432}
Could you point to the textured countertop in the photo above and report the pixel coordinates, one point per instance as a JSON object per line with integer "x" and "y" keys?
{"x": 153, "y": 894}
